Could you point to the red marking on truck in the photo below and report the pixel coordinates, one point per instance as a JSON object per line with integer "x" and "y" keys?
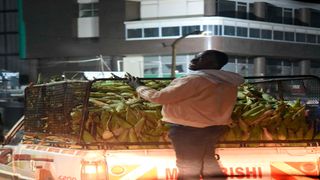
{"x": 22, "y": 157}
{"x": 171, "y": 173}
{"x": 27, "y": 157}
{"x": 243, "y": 172}
{"x": 294, "y": 170}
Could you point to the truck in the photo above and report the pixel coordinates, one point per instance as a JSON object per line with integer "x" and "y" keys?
{"x": 101, "y": 129}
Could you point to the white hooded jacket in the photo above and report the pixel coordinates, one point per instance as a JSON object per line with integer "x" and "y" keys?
{"x": 200, "y": 99}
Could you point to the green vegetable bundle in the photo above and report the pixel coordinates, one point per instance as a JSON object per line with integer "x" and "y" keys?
{"x": 118, "y": 115}
{"x": 259, "y": 116}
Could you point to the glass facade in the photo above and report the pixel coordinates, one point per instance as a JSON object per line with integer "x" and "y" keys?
{"x": 224, "y": 30}
{"x": 160, "y": 66}
{"x": 233, "y": 20}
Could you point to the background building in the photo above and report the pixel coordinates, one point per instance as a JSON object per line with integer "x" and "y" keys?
{"x": 261, "y": 37}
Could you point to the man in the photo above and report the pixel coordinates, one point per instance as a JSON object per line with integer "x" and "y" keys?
{"x": 198, "y": 108}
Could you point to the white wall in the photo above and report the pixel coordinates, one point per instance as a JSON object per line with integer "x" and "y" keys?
{"x": 133, "y": 65}
{"x": 169, "y": 8}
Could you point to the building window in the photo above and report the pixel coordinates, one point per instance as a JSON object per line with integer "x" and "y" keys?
{"x": 170, "y": 31}
{"x": 300, "y": 37}
{"x": 151, "y": 32}
{"x": 242, "y": 10}
{"x": 88, "y": 19}
{"x": 287, "y": 16}
{"x": 277, "y": 35}
{"x": 266, "y": 34}
{"x": 227, "y": 8}
{"x": 217, "y": 29}
{"x": 152, "y": 66}
{"x": 189, "y": 29}
{"x": 208, "y": 28}
{"x": 254, "y": 33}
{"x": 134, "y": 33}
{"x": 311, "y": 38}
{"x": 229, "y": 30}
{"x": 274, "y": 14}
{"x": 88, "y": 10}
{"x": 289, "y": 36}
{"x": 242, "y": 31}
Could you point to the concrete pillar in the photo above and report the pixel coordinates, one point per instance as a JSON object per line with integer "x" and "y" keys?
{"x": 32, "y": 72}
{"x": 134, "y": 65}
{"x": 260, "y": 10}
{"x": 305, "y": 66}
{"x": 305, "y": 16}
{"x": 210, "y": 8}
{"x": 259, "y": 64}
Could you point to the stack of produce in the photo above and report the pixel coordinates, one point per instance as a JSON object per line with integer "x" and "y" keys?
{"x": 118, "y": 115}
{"x": 259, "y": 116}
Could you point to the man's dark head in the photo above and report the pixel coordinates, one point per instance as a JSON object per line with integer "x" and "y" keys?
{"x": 209, "y": 59}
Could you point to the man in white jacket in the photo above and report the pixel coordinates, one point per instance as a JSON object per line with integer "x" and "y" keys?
{"x": 198, "y": 108}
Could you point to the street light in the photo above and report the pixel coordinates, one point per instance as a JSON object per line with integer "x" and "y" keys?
{"x": 174, "y": 51}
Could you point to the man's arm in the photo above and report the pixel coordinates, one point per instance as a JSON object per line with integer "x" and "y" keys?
{"x": 179, "y": 90}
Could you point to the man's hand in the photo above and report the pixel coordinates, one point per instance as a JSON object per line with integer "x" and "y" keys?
{"x": 133, "y": 81}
